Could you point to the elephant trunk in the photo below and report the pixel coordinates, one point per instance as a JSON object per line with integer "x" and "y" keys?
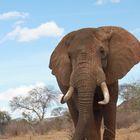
{"x": 85, "y": 88}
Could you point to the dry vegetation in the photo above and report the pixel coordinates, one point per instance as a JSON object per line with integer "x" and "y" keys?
{"x": 54, "y": 135}
{"x": 59, "y": 128}
{"x": 128, "y": 129}
{"x": 131, "y": 133}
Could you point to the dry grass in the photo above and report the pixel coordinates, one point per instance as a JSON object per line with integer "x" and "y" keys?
{"x": 54, "y": 135}
{"x": 131, "y": 133}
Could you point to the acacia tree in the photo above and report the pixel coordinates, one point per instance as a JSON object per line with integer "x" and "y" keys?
{"x": 59, "y": 111}
{"x": 62, "y": 118}
{"x": 35, "y": 104}
{"x": 131, "y": 93}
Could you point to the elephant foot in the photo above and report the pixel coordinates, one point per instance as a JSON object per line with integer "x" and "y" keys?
{"x": 109, "y": 135}
{"x": 108, "y": 138}
{"x": 92, "y": 137}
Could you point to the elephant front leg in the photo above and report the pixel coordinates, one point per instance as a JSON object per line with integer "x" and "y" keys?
{"x": 98, "y": 120}
{"x": 109, "y": 113}
{"x": 109, "y": 122}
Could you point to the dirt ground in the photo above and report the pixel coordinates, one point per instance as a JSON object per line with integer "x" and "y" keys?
{"x": 132, "y": 133}
{"x": 55, "y": 135}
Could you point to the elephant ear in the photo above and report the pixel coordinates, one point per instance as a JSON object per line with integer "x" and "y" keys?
{"x": 124, "y": 52}
{"x": 60, "y": 62}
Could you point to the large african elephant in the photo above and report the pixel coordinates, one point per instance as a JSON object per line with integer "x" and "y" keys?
{"x": 87, "y": 64}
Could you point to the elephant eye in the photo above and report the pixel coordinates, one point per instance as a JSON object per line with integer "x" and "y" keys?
{"x": 102, "y": 53}
{"x": 69, "y": 56}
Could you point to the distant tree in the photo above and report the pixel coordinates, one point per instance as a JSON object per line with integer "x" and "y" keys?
{"x": 59, "y": 111}
{"x": 62, "y": 118}
{"x": 35, "y": 104}
{"x": 4, "y": 120}
{"x": 63, "y": 112}
{"x": 131, "y": 93}
{"x": 17, "y": 127}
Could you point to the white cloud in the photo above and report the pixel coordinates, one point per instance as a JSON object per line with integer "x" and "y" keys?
{"x": 19, "y": 16}
{"x": 25, "y": 34}
{"x": 22, "y": 90}
{"x": 115, "y": 1}
{"x": 13, "y": 14}
{"x": 19, "y": 91}
{"x": 19, "y": 22}
{"x": 101, "y": 2}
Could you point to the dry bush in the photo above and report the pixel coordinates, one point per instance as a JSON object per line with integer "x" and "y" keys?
{"x": 126, "y": 119}
{"x": 59, "y": 123}
{"x": 15, "y": 128}
{"x": 41, "y": 128}
{"x": 22, "y": 127}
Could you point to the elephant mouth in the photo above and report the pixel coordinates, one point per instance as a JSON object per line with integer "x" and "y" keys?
{"x": 103, "y": 86}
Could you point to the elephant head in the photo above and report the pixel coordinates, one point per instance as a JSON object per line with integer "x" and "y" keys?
{"x": 92, "y": 57}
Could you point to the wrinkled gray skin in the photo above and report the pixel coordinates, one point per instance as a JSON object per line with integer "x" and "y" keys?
{"x": 83, "y": 60}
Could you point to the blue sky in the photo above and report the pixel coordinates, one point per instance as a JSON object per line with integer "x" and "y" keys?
{"x": 30, "y": 30}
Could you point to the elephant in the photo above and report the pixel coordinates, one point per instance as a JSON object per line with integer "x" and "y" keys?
{"x": 87, "y": 64}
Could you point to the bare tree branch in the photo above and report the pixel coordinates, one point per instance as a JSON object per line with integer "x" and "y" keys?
{"x": 36, "y": 102}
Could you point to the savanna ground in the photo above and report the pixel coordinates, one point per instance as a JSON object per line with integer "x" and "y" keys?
{"x": 131, "y": 133}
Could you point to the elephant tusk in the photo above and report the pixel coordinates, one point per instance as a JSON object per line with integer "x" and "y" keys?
{"x": 105, "y": 93}
{"x": 68, "y": 95}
